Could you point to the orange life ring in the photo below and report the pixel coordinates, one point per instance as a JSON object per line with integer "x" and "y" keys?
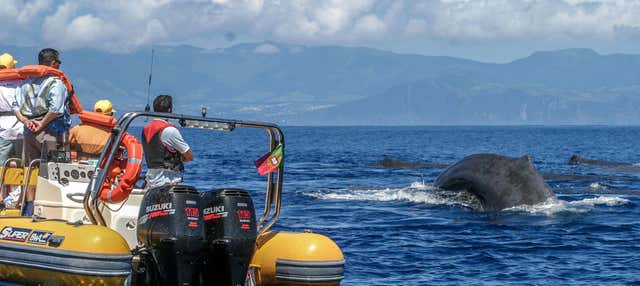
{"x": 126, "y": 172}
{"x": 40, "y": 71}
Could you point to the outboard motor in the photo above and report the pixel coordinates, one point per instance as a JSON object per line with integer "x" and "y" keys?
{"x": 230, "y": 227}
{"x": 171, "y": 229}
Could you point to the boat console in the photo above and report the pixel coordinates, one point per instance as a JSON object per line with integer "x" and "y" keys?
{"x": 61, "y": 190}
{"x": 68, "y": 172}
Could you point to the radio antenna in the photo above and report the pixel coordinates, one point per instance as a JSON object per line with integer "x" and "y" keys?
{"x": 148, "y": 108}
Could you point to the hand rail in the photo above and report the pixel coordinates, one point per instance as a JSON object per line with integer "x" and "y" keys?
{"x": 274, "y": 191}
{"x": 27, "y": 178}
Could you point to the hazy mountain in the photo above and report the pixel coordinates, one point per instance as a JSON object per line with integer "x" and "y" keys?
{"x": 293, "y": 84}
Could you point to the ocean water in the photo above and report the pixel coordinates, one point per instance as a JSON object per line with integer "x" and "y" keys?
{"x": 395, "y": 228}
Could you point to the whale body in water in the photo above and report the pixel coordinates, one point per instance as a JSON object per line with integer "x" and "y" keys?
{"x": 577, "y": 160}
{"x": 499, "y": 182}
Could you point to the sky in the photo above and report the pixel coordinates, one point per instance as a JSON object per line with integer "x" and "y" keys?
{"x": 483, "y": 30}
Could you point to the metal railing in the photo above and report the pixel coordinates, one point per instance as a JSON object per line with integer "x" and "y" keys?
{"x": 274, "y": 180}
{"x": 5, "y": 166}
{"x": 25, "y": 186}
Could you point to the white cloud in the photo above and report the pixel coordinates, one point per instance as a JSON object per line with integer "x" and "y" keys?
{"x": 123, "y": 25}
{"x": 31, "y": 10}
{"x": 369, "y": 26}
{"x": 416, "y": 27}
{"x": 266, "y": 49}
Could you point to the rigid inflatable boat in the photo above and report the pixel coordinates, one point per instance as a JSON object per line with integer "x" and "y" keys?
{"x": 94, "y": 226}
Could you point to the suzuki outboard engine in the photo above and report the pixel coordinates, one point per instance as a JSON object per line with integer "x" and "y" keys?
{"x": 230, "y": 227}
{"x": 171, "y": 230}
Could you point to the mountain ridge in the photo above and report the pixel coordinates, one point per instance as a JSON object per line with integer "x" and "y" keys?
{"x": 333, "y": 85}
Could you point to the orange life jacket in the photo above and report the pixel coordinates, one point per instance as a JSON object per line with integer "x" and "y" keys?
{"x": 26, "y": 72}
{"x": 97, "y": 119}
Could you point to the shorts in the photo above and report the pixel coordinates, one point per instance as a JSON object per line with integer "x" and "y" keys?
{"x": 161, "y": 177}
{"x": 46, "y": 141}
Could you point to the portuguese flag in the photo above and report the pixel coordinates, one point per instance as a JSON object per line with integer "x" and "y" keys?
{"x": 270, "y": 162}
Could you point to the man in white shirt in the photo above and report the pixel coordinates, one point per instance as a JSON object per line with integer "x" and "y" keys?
{"x": 10, "y": 127}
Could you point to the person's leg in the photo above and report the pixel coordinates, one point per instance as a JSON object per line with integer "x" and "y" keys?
{"x": 11, "y": 200}
{"x": 34, "y": 149}
{"x": 27, "y": 210}
{"x": 16, "y": 151}
{"x": 31, "y": 151}
{"x": 5, "y": 150}
{"x": 30, "y": 148}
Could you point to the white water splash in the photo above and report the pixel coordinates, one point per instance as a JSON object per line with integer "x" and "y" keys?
{"x": 426, "y": 193}
{"x": 553, "y": 206}
{"x": 422, "y": 186}
{"x": 549, "y": 207}
{"x": 602, "y": 200}
{"x": 417, "y": 192}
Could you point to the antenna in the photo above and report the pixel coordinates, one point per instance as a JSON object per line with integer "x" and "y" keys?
{"x": 148, "y": 108}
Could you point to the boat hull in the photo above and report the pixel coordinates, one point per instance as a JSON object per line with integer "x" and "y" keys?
{"x": 53, "y": 252}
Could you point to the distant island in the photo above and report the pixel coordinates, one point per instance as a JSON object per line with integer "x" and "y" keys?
{"x": 331, "y": 85}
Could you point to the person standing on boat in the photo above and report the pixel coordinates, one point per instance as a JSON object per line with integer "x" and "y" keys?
{"x": 164, "y": 148}
{"x": 7, "y": 61}
{"x": 89, "y": 139}
{"x": 10, "y": 128}
{"x": 41, "y": 105}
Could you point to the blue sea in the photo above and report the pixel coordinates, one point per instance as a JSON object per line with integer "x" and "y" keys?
{"x": 396, "y": 228}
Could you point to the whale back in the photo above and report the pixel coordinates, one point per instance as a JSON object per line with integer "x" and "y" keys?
{"x": 497, "y": 181}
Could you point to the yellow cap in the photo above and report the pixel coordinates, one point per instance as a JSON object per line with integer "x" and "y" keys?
{"x": 104, "y": 106}
{"x": 7, "y": 61}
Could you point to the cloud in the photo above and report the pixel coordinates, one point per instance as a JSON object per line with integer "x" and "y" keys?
{"x": 369, "y": 26}
{"x": 122, "y": 25}
{"x": 266, "y": 49}
{"x": 31, "y": 10}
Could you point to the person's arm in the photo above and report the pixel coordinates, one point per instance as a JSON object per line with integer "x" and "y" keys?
{"x": 40, "y": 125}
{"x": 18, "y": 100}
{"x": 172, "y": 138}
{"x": 28, "y": 123}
